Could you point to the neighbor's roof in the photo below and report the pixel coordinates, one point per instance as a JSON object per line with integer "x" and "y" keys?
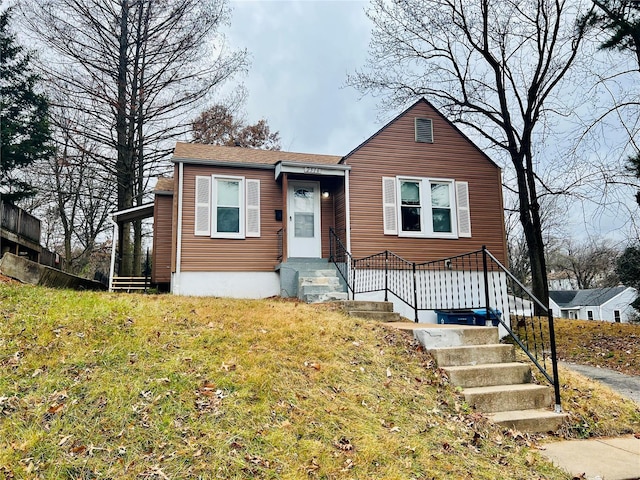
{"x": 164, "y": 185}
{"x": 215, "y": 153}
{"x": 582, "y": 298}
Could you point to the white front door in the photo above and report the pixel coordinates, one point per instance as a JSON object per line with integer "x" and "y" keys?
{"x": 303, "y": 209}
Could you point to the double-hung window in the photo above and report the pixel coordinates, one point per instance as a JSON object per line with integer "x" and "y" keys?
{"x": 228, "y": 215}
{"x": 425, "y": 207}
{"x": 227, "y": 207}
{"x": 411, "y": 205}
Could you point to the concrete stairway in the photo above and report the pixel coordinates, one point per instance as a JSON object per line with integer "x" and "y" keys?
{"x": 381, "y": 311}
{"x": 311, "y": 280}
{"x": 491, "y": 380}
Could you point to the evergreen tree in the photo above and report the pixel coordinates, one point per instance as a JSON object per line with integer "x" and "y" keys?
{"x": 620, "y": 21}
{"x": 24, "y": 127}
{"x": 628, "y": 270}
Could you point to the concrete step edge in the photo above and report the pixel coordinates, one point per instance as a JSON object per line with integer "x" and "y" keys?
{"x": 531, "y": 421}
{"x": 489, "y": 374}
{"x": 484, "y": 366}
{"x": 524, "y": 387}
{"x": 374, "y": 315}
{"x": 367, "y": 305}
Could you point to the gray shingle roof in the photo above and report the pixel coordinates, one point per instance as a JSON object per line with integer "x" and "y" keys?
{"x": 590, "y": 297}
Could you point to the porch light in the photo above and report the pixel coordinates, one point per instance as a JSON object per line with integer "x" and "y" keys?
{"x": 325, "y": 194}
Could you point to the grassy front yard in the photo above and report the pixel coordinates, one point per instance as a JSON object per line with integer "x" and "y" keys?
{"x": 603, "y": 344}
{"x": 98, "y": 385}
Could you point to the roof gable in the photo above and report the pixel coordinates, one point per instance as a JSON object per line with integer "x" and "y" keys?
{"x": 581, "y": 298}
{"x": 408, "y": 111}
{"x": 563, "y": 298}
{"x": 203, "y": 153}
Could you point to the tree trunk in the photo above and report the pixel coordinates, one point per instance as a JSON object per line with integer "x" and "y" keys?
{"x": 123, "y": 162}
{"x": 530, "y": 219}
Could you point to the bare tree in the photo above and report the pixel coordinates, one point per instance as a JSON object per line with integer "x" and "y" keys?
{"x": 493, "y": 66}
{"x": 135, "y": 68}
{"x": 73, "y": 197}
{"x": 588, "y": 264}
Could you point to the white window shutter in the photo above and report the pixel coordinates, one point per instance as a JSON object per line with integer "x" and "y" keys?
{"x": 464, "y": 212}
{"x": 253, "y": 208}
{"x": 203, "y": 206}
{"x": 389, "y": 210}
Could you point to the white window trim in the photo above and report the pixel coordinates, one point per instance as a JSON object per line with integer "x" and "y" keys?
{"x": 214, "y": 207}
{"x": 426, "y": 218}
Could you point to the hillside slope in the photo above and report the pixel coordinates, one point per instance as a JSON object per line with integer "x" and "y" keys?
{"x": 99, "y": 385}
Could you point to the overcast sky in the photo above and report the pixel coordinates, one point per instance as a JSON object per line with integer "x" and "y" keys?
{"x": 301, "y": 52}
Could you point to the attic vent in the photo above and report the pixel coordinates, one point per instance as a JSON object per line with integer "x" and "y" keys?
{"x": 424, "y": 130}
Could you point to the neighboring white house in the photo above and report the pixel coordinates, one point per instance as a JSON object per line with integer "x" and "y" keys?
{"x": 611, "y": 304}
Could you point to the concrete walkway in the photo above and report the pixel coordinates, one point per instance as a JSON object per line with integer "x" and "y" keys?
{"x": 601, "y": 458}
{"x": 626, "y": 385}
{"x": 597, "y": 459}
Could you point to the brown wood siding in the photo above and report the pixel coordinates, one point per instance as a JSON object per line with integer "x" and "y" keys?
{"x": 162, "y": 239}
{"x": 393, "y": 151}
{"x": 327, "y": 218}
{"x": 203, "y": 254}
{"x": 341, "y": 215}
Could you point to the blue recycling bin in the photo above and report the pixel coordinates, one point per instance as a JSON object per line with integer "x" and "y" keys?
{"x": 480, "y": 315}
{"x": 455, "y": 317}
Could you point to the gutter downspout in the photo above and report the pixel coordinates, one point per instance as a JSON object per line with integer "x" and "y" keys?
{"x": 175, "y": 287}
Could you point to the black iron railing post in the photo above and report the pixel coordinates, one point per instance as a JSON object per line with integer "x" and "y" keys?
{"x": 485, "y": 272}
{"x": 353, "y": 281}
{"x": 386, "y": 275}
{"x": 415, "y": 293}
{"x": 554, "y": 364}
{"x": 331, "y": 234}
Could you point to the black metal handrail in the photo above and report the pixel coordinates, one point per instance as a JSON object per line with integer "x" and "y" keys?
{"x": 342, "y": 259}
{"x": 531, "y": 326}
{"x": 474, "y": 280}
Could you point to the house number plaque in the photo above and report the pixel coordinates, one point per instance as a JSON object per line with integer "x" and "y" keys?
{"x": 311, "y": 170}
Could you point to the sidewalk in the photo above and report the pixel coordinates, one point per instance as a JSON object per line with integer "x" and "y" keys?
{"x": 601, "y": 458}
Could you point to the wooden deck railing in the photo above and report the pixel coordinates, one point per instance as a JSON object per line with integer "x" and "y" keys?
{"x": 19, "y": 222}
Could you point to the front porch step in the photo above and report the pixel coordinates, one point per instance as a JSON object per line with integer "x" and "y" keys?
{"x": 323, "y": 281}
{"x": 370, "y": 306}
{"x": 312, "y": 280}
{"x": 502, "y": 398}
{"x": 473, "y": 355}
{"x": 328, "y": 296}
{"x": 309, "y": 273}
{"x": 439, "y": 336}
{"x": 380, "y": 316}
{"x": 534, "y": 421}
{"x": 380, "y": 311}
{"x": 486, "y": 375}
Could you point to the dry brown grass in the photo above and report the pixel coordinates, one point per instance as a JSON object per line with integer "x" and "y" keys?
{"x": 604, "y": 344}
{"x": 99, "y": 385}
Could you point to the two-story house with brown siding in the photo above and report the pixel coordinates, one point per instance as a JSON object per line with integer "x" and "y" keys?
{"x": 231, "y": 219}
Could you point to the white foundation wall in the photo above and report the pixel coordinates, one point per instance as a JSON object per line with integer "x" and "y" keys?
{"x": 226, "y": 284}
